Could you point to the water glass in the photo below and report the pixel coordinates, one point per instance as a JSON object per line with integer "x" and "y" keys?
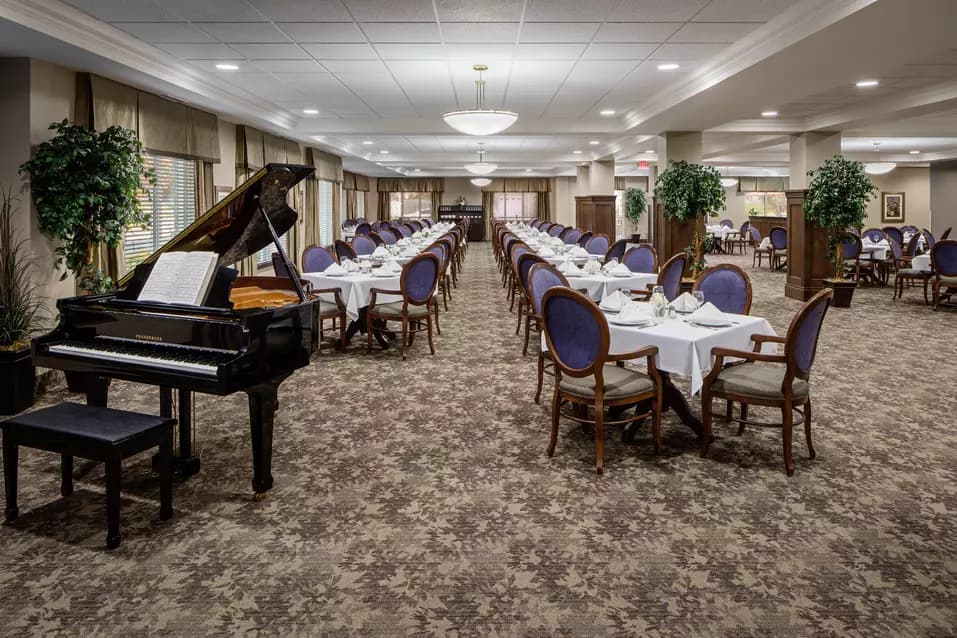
{"x": 698, "y": 297}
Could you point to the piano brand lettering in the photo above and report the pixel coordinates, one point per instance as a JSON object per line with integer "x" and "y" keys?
{"x": 149, "y": 337}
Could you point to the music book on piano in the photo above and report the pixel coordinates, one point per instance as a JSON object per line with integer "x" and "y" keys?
{"x": 181, "y": 277}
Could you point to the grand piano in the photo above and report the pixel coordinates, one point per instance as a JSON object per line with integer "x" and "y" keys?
{"x": 249, "y": 334}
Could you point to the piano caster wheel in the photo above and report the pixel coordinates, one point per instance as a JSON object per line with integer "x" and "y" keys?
{"x": 260, "y": 496}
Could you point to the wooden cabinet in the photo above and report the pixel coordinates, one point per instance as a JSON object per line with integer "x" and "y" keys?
{"x": 474, "y": 213}
{"x": 596, "y": 213}
{"x": 808, "y": 265}
{"x": 765, "y": 224}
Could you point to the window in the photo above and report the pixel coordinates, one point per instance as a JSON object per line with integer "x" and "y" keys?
{"x": 360, "y": 204}
{"x": 171, "y": 206}
{"x": 410, "y": 205}
{"x": 515, "y": 206}
{"x": 620, "y": 214}
{"x": 325, "y": 211}
{"x": 766, "y": 203}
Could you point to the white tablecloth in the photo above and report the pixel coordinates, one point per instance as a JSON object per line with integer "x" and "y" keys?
{"x": 355, "y": 289}
{"x": 600, "y": 285}
{"x": 875, "y": 252}
{"x": 921, "y": 262}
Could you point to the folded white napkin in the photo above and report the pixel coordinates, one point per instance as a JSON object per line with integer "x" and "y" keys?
{"x": 334, "y": 269}
{"x": 614, "y": 301}
{"x": 545, "y": 251}
{"x": 765, "y": 243}
{"x": 707, "y": 311}
{"x": 403, "y": 242}
{"x": 633, "y": 311}
{"x": 380, "y": 251}
{"x": 592, "y": 266}
{"x": 578, "y": 251}
{"x": 568, "y": 268}
{"x": 609, "y": 265}
{"x": 555, "y": 241}
{"x": 417, "y": 234}
{"x": 684, "y": 303}
{"x": 620, "y": 269}
{"x": 349, "y": 265}
{"x": 392, "y": 266}
{"x": 409, "y": 251}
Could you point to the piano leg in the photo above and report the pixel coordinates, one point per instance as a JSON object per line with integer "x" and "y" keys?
{"x": 184, "y": 463}
{"x": 263, "y": 402}
{"x": 97, "y": 390}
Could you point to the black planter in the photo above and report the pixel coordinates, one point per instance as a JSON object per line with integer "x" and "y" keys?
{"x": 17, "y": 380}
{"x": 636, "y": 238}
{"x": 843, "y": 293}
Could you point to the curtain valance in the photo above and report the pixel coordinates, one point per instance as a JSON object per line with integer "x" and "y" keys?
{"x": 255, "y": 149}
{"x": 411, "y": 184}
{"x": 519, "y": 185}
{"x": 327, "y": 165}
{"x": 631, "y": 181}
{"x": 355, "y": 182}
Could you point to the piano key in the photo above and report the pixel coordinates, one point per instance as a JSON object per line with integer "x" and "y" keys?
{"x": 183, "y": 361}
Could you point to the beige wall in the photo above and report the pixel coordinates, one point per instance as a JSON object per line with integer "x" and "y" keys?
{"x": 943, "y": 196}
{"x": 456, "y": 187}
{"x": 914, "y": 182}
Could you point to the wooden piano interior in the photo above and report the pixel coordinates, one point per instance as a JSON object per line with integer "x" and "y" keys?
{"x": 262, "y": 292}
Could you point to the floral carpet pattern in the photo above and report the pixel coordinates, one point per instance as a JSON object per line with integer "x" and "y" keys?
{"x": 415, "y": 498}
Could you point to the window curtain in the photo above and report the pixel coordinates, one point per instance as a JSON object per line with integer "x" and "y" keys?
{"x": 205, "y": 190}
{"x": 540, "y": 185}
{"x": 384, "y": 197}
{"x": 249, "y": 159}
{"x": 351, "y": 205}
{"x": 544, "y": 207}
{"x": 336, "y": 210}
{"x": 328, "y": 167}
{"x": 388, "y": 185}
{"x": 436, "y": 202}
{"x": 488, "y": 205}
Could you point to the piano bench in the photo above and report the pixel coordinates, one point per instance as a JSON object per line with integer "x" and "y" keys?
{"x": 97, "y": 434}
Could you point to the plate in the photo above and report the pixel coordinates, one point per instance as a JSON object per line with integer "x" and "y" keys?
{"x": 333, "y": 274}
{"x": 621, "y": 274}
{"x": 607, "y": 309}
{"x": 710, "y": 322}
{"x": 635, "y": 322}
{"x": 380, "y": 273}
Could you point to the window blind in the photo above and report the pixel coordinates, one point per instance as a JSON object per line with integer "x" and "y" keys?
{"x": 325, "y": 211}
{"x": 515, "y": 206}
{"x": 410, "y": 205}
{"x": 171, "y": 204}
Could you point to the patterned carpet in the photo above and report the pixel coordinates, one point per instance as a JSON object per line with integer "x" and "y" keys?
{"x": 415, "y": 498}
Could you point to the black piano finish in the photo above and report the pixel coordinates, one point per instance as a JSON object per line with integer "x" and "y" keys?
{"x": 254, "y": 350}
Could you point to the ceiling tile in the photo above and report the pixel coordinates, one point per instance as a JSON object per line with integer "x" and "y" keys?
{"x": 123, "y": 10}
{"x": 341, "y": 51}
{"x": 303, "y": 10}
{"x": 636, "y": 31}
{"x": 218, "y": 11}
{"x": 411, "y": 51}
{"x": 687, "y": 51}
{"x": 422, "y": 70}
{"x": 288, "y": 66}
{"x": 742, "y": 10}
{"x": 568, "y": 10}
{"x": 483, "y": 11}
{"x": 242, "y": 31}
{"x": 202, "y": 51}
{"x": 548, "y": 51}
{"x": 558, "y": 31}
{"x": 480, "y": 32}
{"x": 167, "y": 32}
{"x": 271, "y": 51}
{"x": 322, "y": 31}
{"x": 391, "y": 11}
{"x": 608, "y": 51}
{"x": 656, "y": 10}
{"x": 416, "y": 32}
{"x": 608, "y": 67}
{"x": 478, "y": 53}
{"x": 353, "y": 66}
{"x": 713, "y": 31}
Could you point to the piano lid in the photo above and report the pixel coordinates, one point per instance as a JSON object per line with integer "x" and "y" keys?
{"x": 234, "y": 228}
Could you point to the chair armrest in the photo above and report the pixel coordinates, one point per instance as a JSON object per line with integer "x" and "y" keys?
{"x": 315, "y": 292}
{"x": 748, "y": 355}
{"x": 381, "y": 291}
{"x": 758, "y": 340}
{"x": 647, "y": 351}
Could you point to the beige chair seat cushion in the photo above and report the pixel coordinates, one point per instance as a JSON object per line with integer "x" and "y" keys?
{"x": 327, "y": 308}
{"x": 913, "y": 272}
{"x": 948, "y": 281}
{"x": 783, "y": 251}
{"x": 758, "y": 381}
{"x": 619, "y": 384}
{"x": 394, "y": 309}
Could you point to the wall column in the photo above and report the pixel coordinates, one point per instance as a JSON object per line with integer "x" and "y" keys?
{"x": 670, "y": 237}
{"x": 602, "y": 177}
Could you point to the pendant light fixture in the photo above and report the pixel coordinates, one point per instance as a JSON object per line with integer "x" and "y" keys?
{"x": 480, "y": 120}
{"x": 481, "y": 167}
{"x": 481, "y": 181}
{"x": 728, "y": 182}
{"x": 879, "y": 168}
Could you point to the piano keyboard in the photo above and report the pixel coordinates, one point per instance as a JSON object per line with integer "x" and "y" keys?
{"x": 166, "y": 357}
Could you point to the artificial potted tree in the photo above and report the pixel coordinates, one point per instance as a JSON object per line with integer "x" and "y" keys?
{"x": 86, "y": 186}
{"x": 690, "y": 193}
{"x": 636, "y": 204}
{"x": 20, "y": 314}
{"x": 836, "y": 202}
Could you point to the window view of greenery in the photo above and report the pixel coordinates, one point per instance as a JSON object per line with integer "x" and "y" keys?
{"x": 404, "y": 206}
{"x": 771, "y": 204}
{"x": 514, "y": 207}
{"x": 170, "y": 204}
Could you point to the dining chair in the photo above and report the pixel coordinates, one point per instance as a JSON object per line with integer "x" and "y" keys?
{"x": 906, "y": 275}
{"x": 534, "y": 223}
{"x": 409, "y": 228}
{"x": 616, "y": 251}
{"x": 727, "y": 287}
{"x": 517, "y": 250}
{"x": 586, "y": 375}
{"x": 759, "y": 253}
{"x": 784, "y": 387}
{"x": 363, "y": 245}
{"x": 943, "y": 261}
{"x": 598, "y": 244}
{"x": 556, "y": 230}
{"x": 343, "y": 250}
{"x": 641, "y": 259}
{"x": 400, "y": 229}
{"x": 416, "y": 286}
{"x": 585, "y": 238}
{"x": 741, "y": 240}
{"x": 873, "y": 235}
{"x": 541, "y": 277}
{"x": 363, "y": 229}
{"x": 929, "y": 240}
{"x": 376, "y": 226}
{"x": 376, "y": 237}
{"x": 779, "y": 246}
{"x": 893, "y": 232}
{"x": 440, "y": 250}
{"x": 279, "y": 266}
{"x": 524, "y": 264}
{"x": 544, "y": 227}
{"x": 855, "y": 265}
{"x": 727, "y": 223}
{"x": 571, "y": 235}
{"x": 909, "y": 230}
{"x": 946, "y": 234}
{"x": 669, "y": 278}
{"x": 388, "y": 237}
{"x": 316, "y": 259}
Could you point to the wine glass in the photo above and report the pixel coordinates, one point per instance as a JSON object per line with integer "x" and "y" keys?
{"x": 698, "y": 297}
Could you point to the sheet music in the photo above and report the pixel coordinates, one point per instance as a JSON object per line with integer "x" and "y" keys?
{"x": 180, "y": 278}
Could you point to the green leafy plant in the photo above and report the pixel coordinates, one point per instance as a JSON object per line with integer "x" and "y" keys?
{"x": 636, "y": 204}
{"x": 20, "y": 305}
{"x": 836, "y": 201}
{"x": 753, "y": 211}
{"x": 85, "y": 185}
{"x": 690, "y": 191}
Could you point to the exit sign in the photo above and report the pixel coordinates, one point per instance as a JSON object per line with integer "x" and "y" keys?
{"x": 643, "y": 164}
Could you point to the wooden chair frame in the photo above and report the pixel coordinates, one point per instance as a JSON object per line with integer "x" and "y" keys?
{"x": 545, "y": 364}
{"x": 409, "y": 326}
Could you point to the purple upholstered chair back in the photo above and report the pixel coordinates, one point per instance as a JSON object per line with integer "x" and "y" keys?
{"x": 387, "y": 236}
{"x": 641, "y": 259}
{"x": 544, "y": 226}
{"x": 363, "y": 245}
{"x": 727, "y": 287}
{"x": 851, "y": 249}
{"x": 440, "y": 250}
{"x": 670, "y": 276}
{"x": 376, "y": 226}
{"x": 755, "y": 234}
{"x": 943, "y": 258}
{"x": 896, "y": 249}
{"x": 597, "y": 245}
{"x": 745, "y": 229}
{"x": 279, "y": 266}
{"x": 535, "y": 223}
{"x": 576, "y": 332}
{"x": 525, "y": 263}
{"x": 344, "y": 250}
{"x": 873, "y": 235}
{"x": 572, "y": 236}
{"x": 908, "y": 229}
{"x": 617, "y": 250}
{"x": 317, "y": 259}
{"x": 803, "y": 334}
{"x": 541, "y": 278}
{"x": 419, "y": 277}
{"x": 556, "y": 230}
{"x": 585, "y": 238}
{"x": 428, "y": 222}
{"x": 402, "y": 230}
{"x": 727, "y": 223}
{"x": 779, "y": 237}
{"x": 363, "y": 229}
{"x": 517, "y": 251}
{"x": 911, "y": 248}
{"x": 895, "y": 233}
{"x": 376, "y": 237}
{"x": 509, "y": 240}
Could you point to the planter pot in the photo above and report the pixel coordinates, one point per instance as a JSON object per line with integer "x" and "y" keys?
{"x": 18, "y": 380}
{"x": 843, "y": 292}
{"x": 636, "y": 238}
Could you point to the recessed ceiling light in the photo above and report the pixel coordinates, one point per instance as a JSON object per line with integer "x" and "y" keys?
{"x": 367, "y": 142}
{"x": 577, "y": 152}
{"x": 915, "y": 152}
{"x": 384, "y": 152}
{"x": 769, "y": 113}
{"x": 310, "y": 111}
{"x": 528, "y": 170}
{"x": 671, "y": 66}
{"x": 418, "y": 170}
{"x": 863, "y": 84}
{"x": 223, "y": 66}
{"x": 650, "y": 150}
{"x": 594, "y": 142}
{"x": 607, "y": 112}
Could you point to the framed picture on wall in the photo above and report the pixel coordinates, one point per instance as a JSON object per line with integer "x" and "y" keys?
{"x": 892, "y": 208}
{"x": 222, "y": 192}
